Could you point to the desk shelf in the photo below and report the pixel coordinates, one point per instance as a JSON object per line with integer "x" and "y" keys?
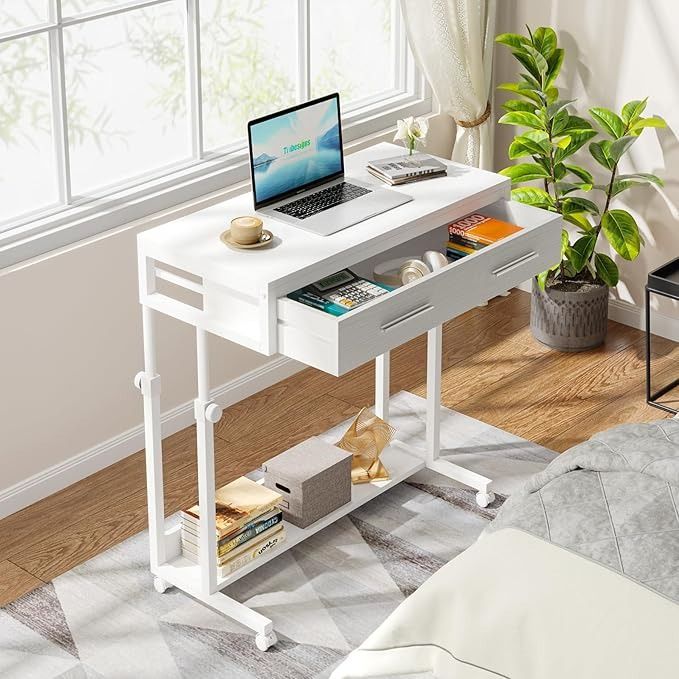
{"x": 401, "y": 460}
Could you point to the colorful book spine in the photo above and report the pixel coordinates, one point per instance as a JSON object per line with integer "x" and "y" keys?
{"x": 250, "y": 532}
{"x": 455, "y": 231}
{"x": 470, "y": 242}
{"x": 191, "y": 551}
{"x": 461, "y": 248}
{"x": 233, "y": 526}
{"x": 253, "y": 553}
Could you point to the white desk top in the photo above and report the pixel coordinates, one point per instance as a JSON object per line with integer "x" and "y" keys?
{"x": 299, "y": 257}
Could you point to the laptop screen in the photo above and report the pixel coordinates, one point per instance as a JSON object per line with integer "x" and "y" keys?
{"x": 295, "y": 149}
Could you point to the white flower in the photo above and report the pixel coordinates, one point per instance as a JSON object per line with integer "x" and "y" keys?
{"x": 411, "y": 131}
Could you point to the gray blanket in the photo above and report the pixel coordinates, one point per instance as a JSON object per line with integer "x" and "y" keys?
{"x": 612, "y": 499}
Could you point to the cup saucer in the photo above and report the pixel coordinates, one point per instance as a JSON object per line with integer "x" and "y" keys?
{"x": 265, "y": 239}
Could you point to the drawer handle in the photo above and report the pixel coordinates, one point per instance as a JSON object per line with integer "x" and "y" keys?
{"x": 406, "y": 317}
{"x": 517, "y": 262}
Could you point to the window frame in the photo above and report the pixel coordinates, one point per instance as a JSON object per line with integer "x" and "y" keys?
{"x": 207, "y": 172}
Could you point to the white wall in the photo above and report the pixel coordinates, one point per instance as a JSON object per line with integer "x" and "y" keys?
{"x": 617, "y": 50}
{"x": 70, "y": 344}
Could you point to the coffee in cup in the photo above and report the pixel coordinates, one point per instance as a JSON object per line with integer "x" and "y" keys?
{"x": 246, "y": 230}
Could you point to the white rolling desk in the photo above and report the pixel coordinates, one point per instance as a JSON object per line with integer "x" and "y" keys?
{"x": 187, "y": 273}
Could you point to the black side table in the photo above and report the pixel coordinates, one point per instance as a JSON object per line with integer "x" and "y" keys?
{"x": 663, "y": 281}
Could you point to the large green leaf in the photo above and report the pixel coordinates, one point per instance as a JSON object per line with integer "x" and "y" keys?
{"x": 533, "y": 143}
{"x": 576, "y": 123}
{"x": 579, "y": 219}
{"x": 606, "y": 269}
{"x": 581, "y": 173}
{"x": 554, "y": 62}
{"x": 560, "y": 122}
{"x": 578, "y": 204}
{"x": 622, "y": 233}
{"x": 580, "y": 252}
{"x": 522, "y": 89}
{"x": 565, "y": 242}
{"x": 512, "y": 39}
{"x": 632, "y": 110}
{"x": 564, "y": 188}
{"x": 642, "y": 178}
{"x": 524, "y": 172}
{"x": 601, "y": 152}
{"x": 534, "y": 76}
{"x": 551, "y": 94}
{"x": 519, "y": 105}
{"x": 578, "y": 139}
{"x": 610, "y": 122}
{"x": 523, "y": 118}
{"x": 544, "y": 40}
{"x": 534, "y": 62}
{"x": 638, "y": 127}
{"x": 620, "y": 146}
{"x": 625, "y": 181}
{"x": 540, "y": 59}
{"x": 557, "y": 106}
{"x": 531, "y": 195}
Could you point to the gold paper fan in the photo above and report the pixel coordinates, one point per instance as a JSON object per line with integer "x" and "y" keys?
{"x": 366, "y": 438}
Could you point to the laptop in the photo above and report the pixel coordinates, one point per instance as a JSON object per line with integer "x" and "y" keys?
{"x": 297, "y": 170}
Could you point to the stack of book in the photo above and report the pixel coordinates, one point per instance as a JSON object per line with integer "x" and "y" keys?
{"x": 405, "y": 169}
{"x": 249, "y": 523}
{"x": 475, "y": 232}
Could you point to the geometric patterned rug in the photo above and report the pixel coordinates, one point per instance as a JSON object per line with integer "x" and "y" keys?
{"x": 103, "y": 619}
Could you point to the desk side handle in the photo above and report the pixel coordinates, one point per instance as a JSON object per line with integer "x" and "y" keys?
{"x": 406, "y": 317}
{"x": 506, "y": 268}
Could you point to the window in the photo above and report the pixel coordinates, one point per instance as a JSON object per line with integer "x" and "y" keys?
{"x": 107, "y": 103}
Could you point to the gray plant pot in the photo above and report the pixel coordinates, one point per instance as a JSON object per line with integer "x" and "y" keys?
{"x": 569, "y": 320}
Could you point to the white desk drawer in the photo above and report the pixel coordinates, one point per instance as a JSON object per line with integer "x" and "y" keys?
{"x": 338, "y": 344}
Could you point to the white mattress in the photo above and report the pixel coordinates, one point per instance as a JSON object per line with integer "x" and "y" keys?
{"x": 515, "y": 606}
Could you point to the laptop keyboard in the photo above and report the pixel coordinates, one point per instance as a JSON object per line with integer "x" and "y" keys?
{"x": 322, "y": 200}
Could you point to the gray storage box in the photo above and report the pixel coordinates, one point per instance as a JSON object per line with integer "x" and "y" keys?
{"x": 314, "y": 479}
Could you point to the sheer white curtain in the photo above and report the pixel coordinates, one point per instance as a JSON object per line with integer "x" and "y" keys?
{"x": 452, "y": 41}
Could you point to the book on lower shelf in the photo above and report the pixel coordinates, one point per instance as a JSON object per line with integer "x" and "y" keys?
{"x": 226, "y": 544}
{"x": 249, "y": 522}
{"x": 242, "y": 555}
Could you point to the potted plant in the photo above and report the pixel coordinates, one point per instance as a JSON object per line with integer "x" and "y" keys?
{"x": 569, "y": 307}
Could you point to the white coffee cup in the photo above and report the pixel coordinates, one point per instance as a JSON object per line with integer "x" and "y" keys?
{"x": 246, "y": 230}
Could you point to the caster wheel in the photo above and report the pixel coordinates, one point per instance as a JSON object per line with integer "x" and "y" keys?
{"x": 484, "y": 499}
{"x": 265, "y": 641}
{"x": 160, "y": 585}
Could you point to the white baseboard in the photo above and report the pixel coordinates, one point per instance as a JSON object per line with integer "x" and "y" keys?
{"x": 635, "y": 316}
{"x": 99, "y": 457}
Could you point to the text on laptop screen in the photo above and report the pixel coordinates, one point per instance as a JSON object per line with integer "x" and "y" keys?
{"x": 294, "y": 149}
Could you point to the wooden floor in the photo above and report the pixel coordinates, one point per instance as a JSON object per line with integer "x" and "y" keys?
{"x": 493, "y": 371}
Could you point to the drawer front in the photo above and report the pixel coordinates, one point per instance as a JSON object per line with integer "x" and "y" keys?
{"x": 337, "y": 345}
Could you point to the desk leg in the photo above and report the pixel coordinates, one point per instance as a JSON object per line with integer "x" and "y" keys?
{"x": 149, "y": 384}
{"x": 434, "y": 346}
{"x": 206, "y": 414}
{"x": 382, "y": 386}
{"x": 484, "y": 496}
